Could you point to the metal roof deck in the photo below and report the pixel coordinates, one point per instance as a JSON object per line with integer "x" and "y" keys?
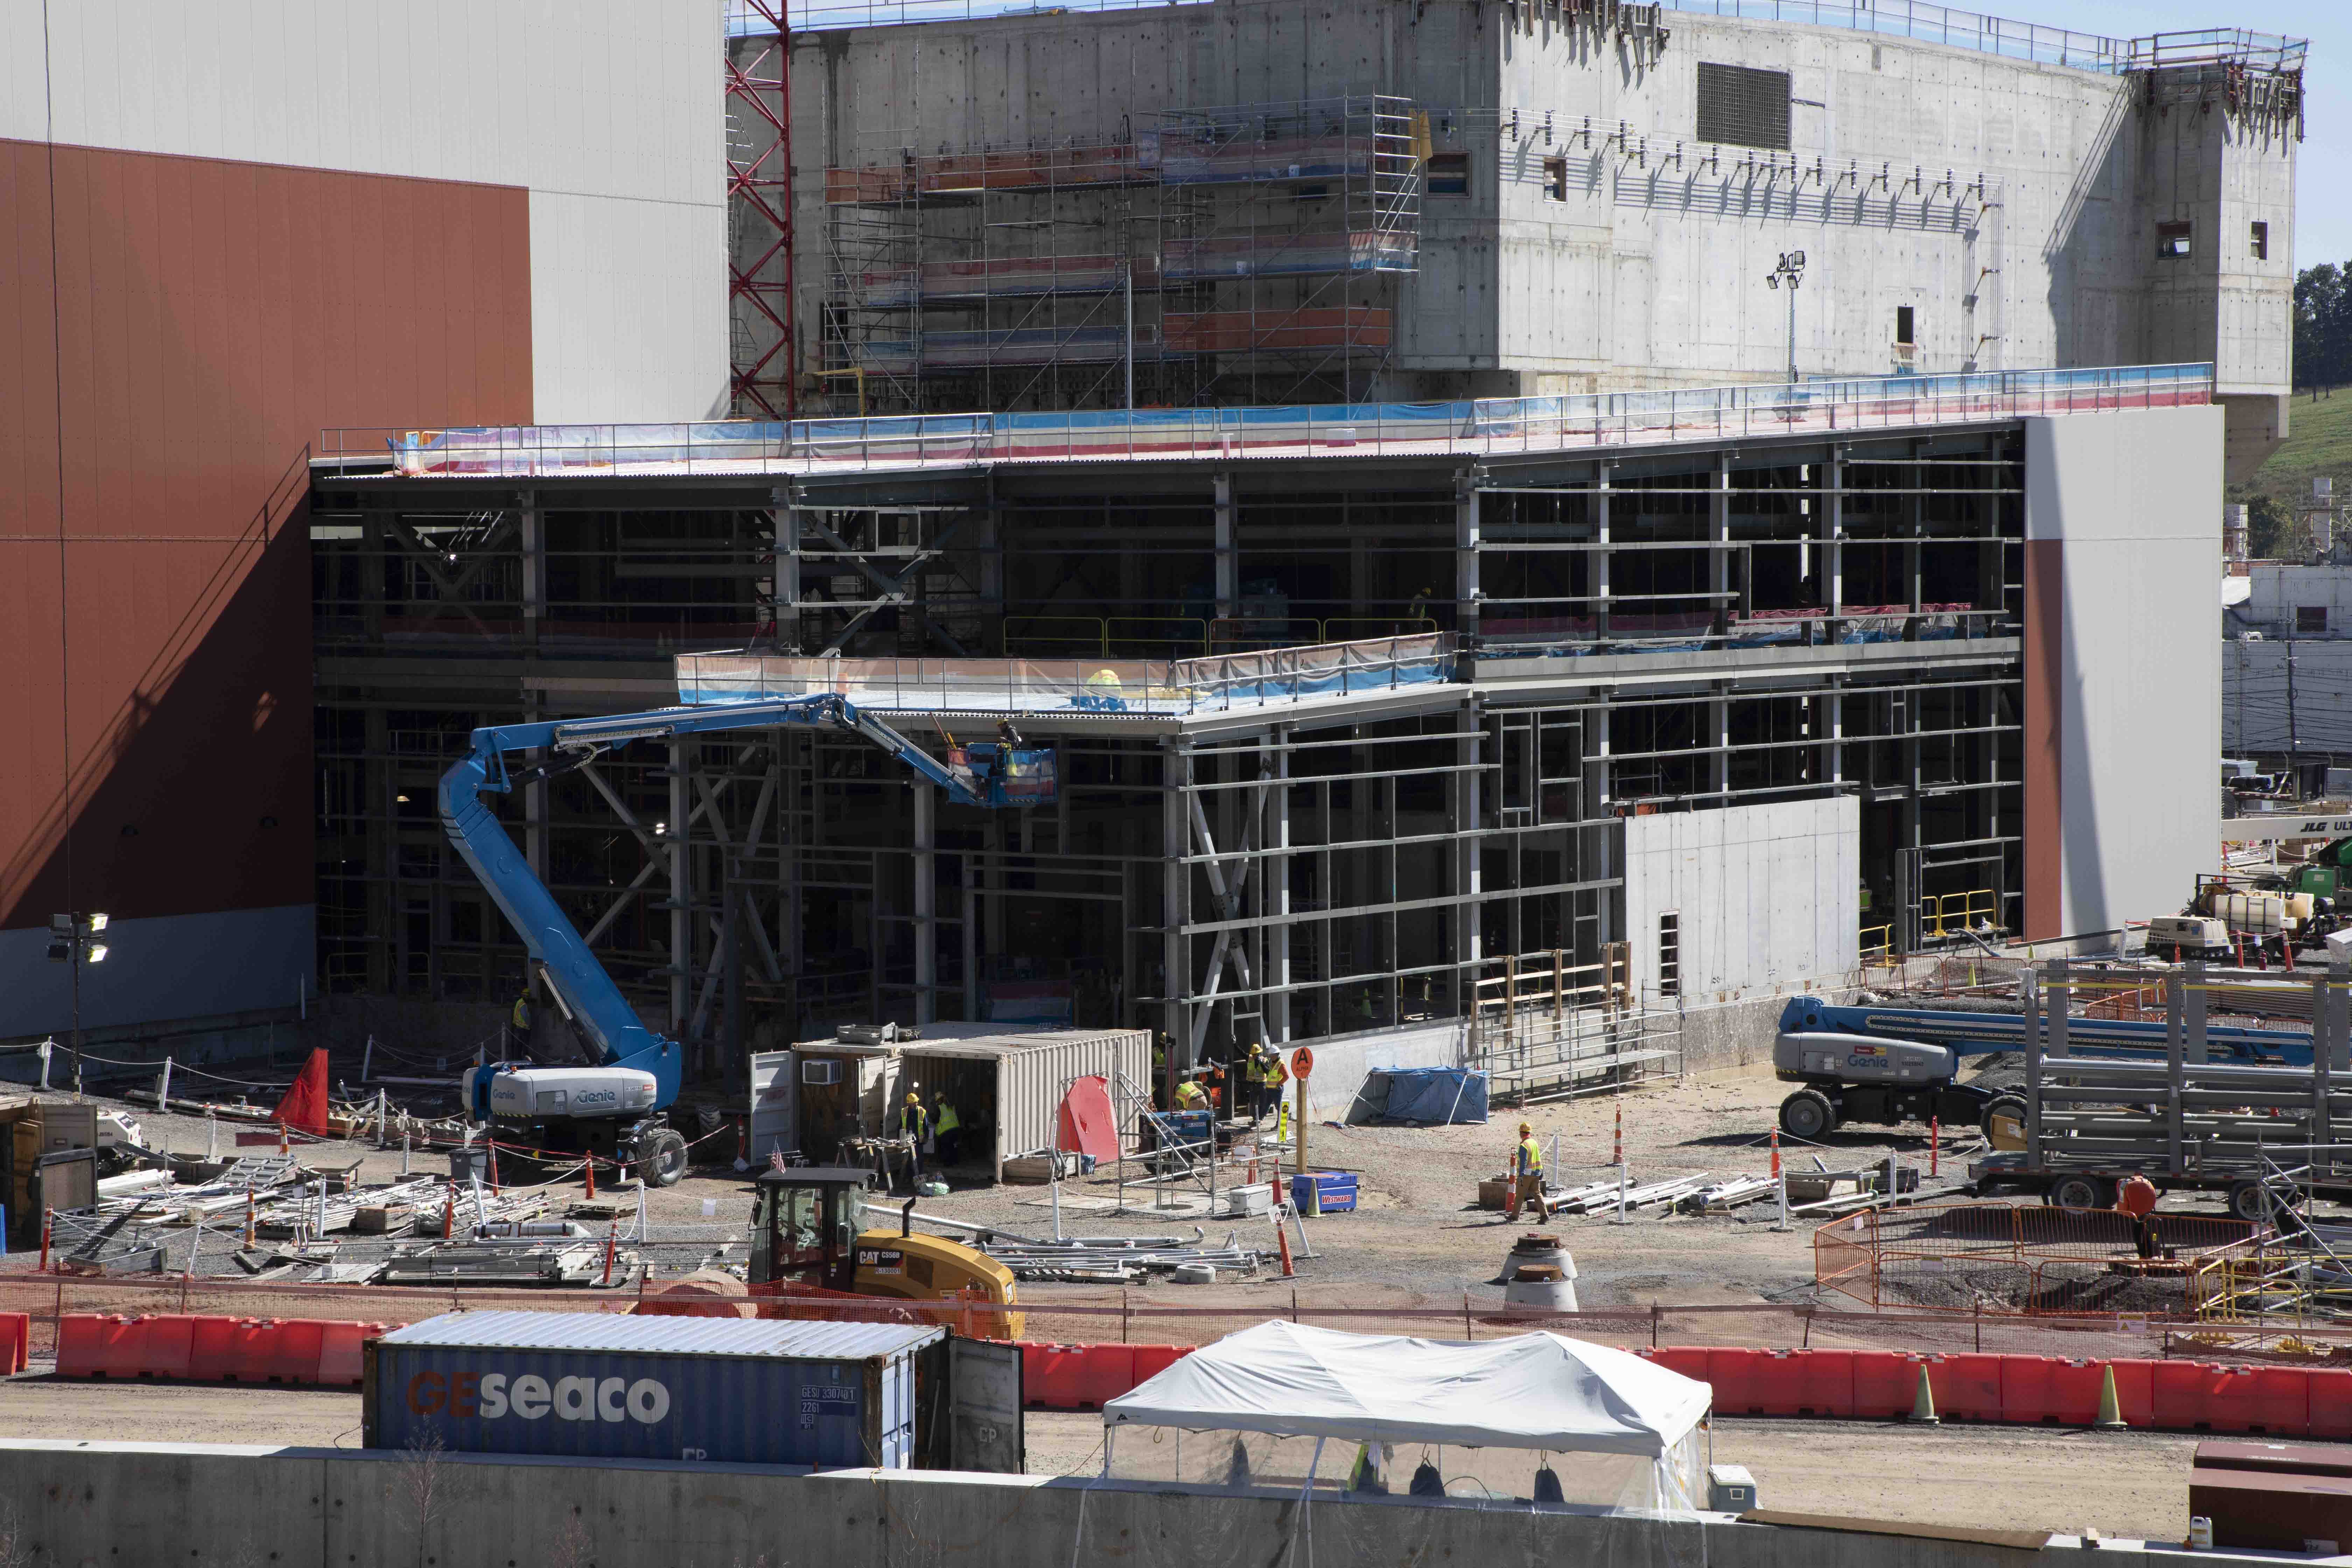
{"x": 665, "y": 1336}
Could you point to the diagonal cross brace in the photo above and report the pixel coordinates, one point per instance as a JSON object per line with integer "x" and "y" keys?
{"x": 1229, "y": 902}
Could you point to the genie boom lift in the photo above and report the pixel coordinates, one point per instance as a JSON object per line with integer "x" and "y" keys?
{"x": 614, "y": 1107}
{"x": 1891, "y": 1064}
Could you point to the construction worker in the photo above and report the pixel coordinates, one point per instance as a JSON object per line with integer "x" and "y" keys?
{"x": 1527, "y": 1175}
{"x": 1159, "y": 1072}
{"x": 520, "y": 1017}
{"x": 1271, "y": 1075}
{"x": 947, "y": 1129}
{"x": 1191, "y": 1096}
{"x": 915, "y": 1126}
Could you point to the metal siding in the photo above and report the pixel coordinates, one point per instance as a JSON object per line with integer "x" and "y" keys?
{"x": 775, "y": 1101}
{"x": 201, "y": 322}
{"x": 664, "y": 1335}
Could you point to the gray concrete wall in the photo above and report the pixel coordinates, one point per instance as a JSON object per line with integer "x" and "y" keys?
{"x": 201, "y": 1507}
{"x": 2134, "y": 503}
{"x": 2011, "y": 204}
{"x": 1764, "y": 897}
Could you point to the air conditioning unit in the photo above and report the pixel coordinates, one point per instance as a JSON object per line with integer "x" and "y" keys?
{"x": 820, "y": 1071}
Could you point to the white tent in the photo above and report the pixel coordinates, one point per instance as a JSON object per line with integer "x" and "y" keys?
{"x": 1536, "y": 1391}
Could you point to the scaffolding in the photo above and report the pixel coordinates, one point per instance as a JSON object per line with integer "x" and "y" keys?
{"x": 1234, "y": 253}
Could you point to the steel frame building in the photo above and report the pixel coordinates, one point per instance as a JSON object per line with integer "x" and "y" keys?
{"x": 1679, "y": 623}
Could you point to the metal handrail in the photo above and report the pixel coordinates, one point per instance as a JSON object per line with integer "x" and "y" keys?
{"x": 1915, "y": 19}
{"x": 1486, "y": 427}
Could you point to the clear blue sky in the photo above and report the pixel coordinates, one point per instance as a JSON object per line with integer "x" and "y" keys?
{"x": 2323, "y": 216}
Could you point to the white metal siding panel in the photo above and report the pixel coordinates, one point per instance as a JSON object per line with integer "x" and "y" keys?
{"x": 628, "y": 309}
{"x": 2134, "y": 499}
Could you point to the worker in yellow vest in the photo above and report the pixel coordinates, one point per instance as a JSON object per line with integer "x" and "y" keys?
{"x": 947, "y": 1130}
{"x": 1526, "y": 1176}
{"x": 915, "y": 1126}
{"x": 1269, "y": 1075}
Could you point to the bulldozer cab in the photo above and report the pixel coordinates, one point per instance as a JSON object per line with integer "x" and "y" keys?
{"x": 804, "y": 1226}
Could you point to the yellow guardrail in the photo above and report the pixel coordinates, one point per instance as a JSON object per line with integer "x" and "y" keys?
{"x": 1881, "y": 949}
{"x": 1951, "y": 915}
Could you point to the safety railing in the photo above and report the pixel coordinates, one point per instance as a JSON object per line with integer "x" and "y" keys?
{"x": 1877, "y": 944}
{"x": 1136, "y": 688}
{"x": 2018, "y": 1259}
{"x": 1889, "y": 18}
{"x": 1946, "y": 915}
{"x": 1488, "y": 426}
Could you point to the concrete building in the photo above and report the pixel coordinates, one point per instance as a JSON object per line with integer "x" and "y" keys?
{"x": 230, "y": 230}
{"x": 1259, "y": 201}
{"x": 1521, "y": 733}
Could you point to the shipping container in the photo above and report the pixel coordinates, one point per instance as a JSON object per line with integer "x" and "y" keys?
{"x": 599, "y": 1385}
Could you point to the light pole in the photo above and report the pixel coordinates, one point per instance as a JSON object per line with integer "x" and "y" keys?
{"x": 72, "y": 941}
{"x": 1791, "y": 271}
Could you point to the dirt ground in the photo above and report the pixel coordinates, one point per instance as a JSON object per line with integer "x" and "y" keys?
{"x": 2129, "y": 1484}
{"x": 1418, "y": 1244}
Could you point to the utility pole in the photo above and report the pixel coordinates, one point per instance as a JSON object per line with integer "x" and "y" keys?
{"x": 1791, "y": 271}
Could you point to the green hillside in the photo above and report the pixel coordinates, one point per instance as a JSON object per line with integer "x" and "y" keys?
{"x": 2318, "y": 441}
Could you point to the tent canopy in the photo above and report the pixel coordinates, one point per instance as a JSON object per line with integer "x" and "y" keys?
{"x": 1532, "y": 1391}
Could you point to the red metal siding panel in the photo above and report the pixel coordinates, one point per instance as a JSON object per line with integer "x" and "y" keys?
{"x": 2045, "y": 634}
{"x": 212, "y": 317}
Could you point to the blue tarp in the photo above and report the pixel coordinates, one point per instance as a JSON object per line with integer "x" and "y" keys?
{"x": 1426, "y": 1097}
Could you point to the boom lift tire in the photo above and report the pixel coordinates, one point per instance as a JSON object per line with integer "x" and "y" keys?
{"x": 664, "y": 1160}
{"x": 2008, "y": 1105}
{"x": 1808, "y": 1114}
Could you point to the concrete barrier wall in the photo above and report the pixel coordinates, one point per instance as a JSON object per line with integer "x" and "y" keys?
{"x": 1342, "y": 1065}
{"x": 203, "y": 1506}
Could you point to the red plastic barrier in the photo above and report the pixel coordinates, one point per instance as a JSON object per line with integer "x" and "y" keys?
{"x": 2196, "y": 1397}
{"x": 341, "y": 1363}
{"x": 1966, "y": 1387}
{"x": 1733, "y": 1374}
{"x": 2041, "y": 1390}
{"x": 1689, "y": 1360}
{"x": 16, "y": 1341}
{"x": 1105, "y": 1372}
{"x": 84, "y": 1340}
{"x": 164, "y": 1349}
{"x": 2331, "y": 1402}
{"x": 252, "y": 1344}
{"x": 213, "y": 1349}
{"x": 1828, "y": 1383}
{"x": 1151, "y": 1360}
{"x": 294, "y": 1358}
{"x": 1777, "y": 1383}
{"x": 1052, "y": 1376}
{"x": 1883, "y": 1384}
{"x": 2135, "y": 1390}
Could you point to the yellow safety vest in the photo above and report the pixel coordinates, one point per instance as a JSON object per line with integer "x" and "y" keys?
{"x": 1530, "y": 1158}
{"x": 1191, "y": 1095}
{"x": 914, "y": 1119}
{"x": 948, "y": 1121}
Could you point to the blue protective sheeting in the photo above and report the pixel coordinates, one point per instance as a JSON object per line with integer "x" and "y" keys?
{"x": 1427, "y": 1097}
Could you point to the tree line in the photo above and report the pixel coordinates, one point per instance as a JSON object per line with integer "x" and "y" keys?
{"x": 2322, "y": 326}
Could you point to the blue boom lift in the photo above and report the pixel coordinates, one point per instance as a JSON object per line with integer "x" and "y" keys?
{"x": 1891, "y": 1064}
{"x": 615, "y": 1107}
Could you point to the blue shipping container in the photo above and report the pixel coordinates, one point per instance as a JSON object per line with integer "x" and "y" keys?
{"x": 596, "y": 1385}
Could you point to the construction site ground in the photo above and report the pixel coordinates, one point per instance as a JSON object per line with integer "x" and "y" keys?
{"x": 1418, "y": 1257}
